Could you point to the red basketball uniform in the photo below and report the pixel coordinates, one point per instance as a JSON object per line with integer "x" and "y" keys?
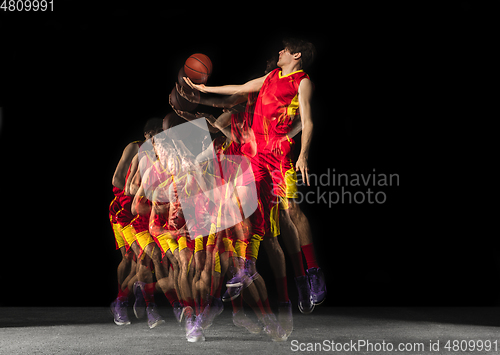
{"x": 275, "y": 110}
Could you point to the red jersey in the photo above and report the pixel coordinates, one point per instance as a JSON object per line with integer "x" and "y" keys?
{"x": 276, "y": 106}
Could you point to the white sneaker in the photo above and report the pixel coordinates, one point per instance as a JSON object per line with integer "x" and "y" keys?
{"x": 241, "y": 320}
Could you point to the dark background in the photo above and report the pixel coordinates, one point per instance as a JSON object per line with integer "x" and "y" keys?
{"x": 78, "y": 84}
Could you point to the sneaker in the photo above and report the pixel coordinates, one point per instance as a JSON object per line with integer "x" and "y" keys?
{"x": 241, "y": 320}
{"x": 178, "y": 311}
{"x": 237, "y": 284}
{"x": 211, "y": 311}
{"x": 317, "y": 284}
{"x": 196, "y": 333}
{"x": 119, "y": 311}
{"x": 272, "y": 328}
{"x": 285, "y": 317}
{"x": 306, "y": 304}
{"x": 231, "y": 293}
{"x": 140, "y": 303}
{"x": 154, "y": 317}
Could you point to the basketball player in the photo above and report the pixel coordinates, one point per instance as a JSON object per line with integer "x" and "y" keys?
{"x": 121, "y": 217}
{"x": 293, "y": 58}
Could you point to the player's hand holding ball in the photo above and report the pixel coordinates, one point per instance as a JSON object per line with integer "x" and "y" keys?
{"x": 199, "y": 87}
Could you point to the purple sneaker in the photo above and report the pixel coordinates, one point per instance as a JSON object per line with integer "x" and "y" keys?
{"x": 211, "y": 311}
{"x": 154, "y": 317}
{"x": 318, "y": 285}
{"x": 306, "y": 304}
{"x": 238, "y": 283}
{"x": 196, "y": 333}
{"x": 119, "y": 311}
{"x": 140, "y": 303}
{"x": 178, "y": 311}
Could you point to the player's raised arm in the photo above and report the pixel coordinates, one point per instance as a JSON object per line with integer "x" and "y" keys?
{"x": 305, "y": 96}
{"x": 225, "y": 101}
{"x": 250, "y": 86}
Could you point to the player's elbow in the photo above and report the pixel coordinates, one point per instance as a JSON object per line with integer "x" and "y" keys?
{"x": 307, "y": 124}
{"x": 116, "y": 182}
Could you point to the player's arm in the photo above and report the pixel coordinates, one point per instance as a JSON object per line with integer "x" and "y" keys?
{"x": 250, "y": 86}
{"x": 188, "y": 116}
{"x": 140, "y": 203}
{"x": 133, "y": 169}
{"x": 214, "y": 101}
{"x": 137, "y": 177}
{"x": 161, "y": 206}
{"x": 122, "y": 167}
{"x": 305, "y": 96}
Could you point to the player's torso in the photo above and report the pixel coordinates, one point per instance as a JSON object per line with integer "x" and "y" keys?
{"x": 277, "y": 104}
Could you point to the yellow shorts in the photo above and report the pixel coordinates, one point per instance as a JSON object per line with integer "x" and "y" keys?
{"x": 182, "y": 243}
{"x": 144, "y": 239}
{"x": 128, "y": 234}
{"x": 162, "y": 240}
{"x": 172, "y": 244}
{"x": 200, "y": 244}
{"x": 117, "y": 230}
{"x": 291, "y": 190}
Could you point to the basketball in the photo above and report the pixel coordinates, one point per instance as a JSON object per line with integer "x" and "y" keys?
{"x": 181, "y": 103}
{"x": 198, "y": 68}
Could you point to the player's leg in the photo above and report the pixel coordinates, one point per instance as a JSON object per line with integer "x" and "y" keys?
{"x": 119, "y": 305}
{"x": 314, "y": 272}
{"x": 146, "y": 282}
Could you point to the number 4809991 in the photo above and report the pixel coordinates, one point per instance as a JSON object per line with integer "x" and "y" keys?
{"x": 27, "y": 5}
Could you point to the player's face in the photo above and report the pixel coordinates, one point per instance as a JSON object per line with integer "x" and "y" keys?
{"x": 285, "y": 57}
{"x": 148, "y": 135}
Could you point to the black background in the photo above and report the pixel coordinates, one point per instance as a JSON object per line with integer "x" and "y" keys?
{"x": 78, "y": 84}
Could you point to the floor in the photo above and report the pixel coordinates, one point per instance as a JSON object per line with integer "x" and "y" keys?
{"x": 329, "y": 329}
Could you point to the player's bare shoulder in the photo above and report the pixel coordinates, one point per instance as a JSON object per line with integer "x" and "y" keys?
{"x": 306, "y": 88}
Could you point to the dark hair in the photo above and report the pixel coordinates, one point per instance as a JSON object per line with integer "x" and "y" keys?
{"x": 305, "y": 48}
{"x": 153, "y": 124}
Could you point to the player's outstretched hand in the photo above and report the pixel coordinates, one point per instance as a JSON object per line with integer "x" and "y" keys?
{"x": 304, "y": 169}
{"x": 210, "y": 119}
{"x": 199, "y": 87}
{"x": 191, "y": 96}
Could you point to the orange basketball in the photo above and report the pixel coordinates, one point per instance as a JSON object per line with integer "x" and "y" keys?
{"x": 198, "y": 68}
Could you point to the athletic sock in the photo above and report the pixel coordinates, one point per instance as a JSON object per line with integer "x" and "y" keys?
{"x": 172, "y": 297}
{"x": 267, "y": 306}
{"x": 308, "y": 251}
{"x": 149, "y": 291}
{"x": 261, "y": 307}
{"x": 122, "y": 294}
{"x": 298, "y": 265}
